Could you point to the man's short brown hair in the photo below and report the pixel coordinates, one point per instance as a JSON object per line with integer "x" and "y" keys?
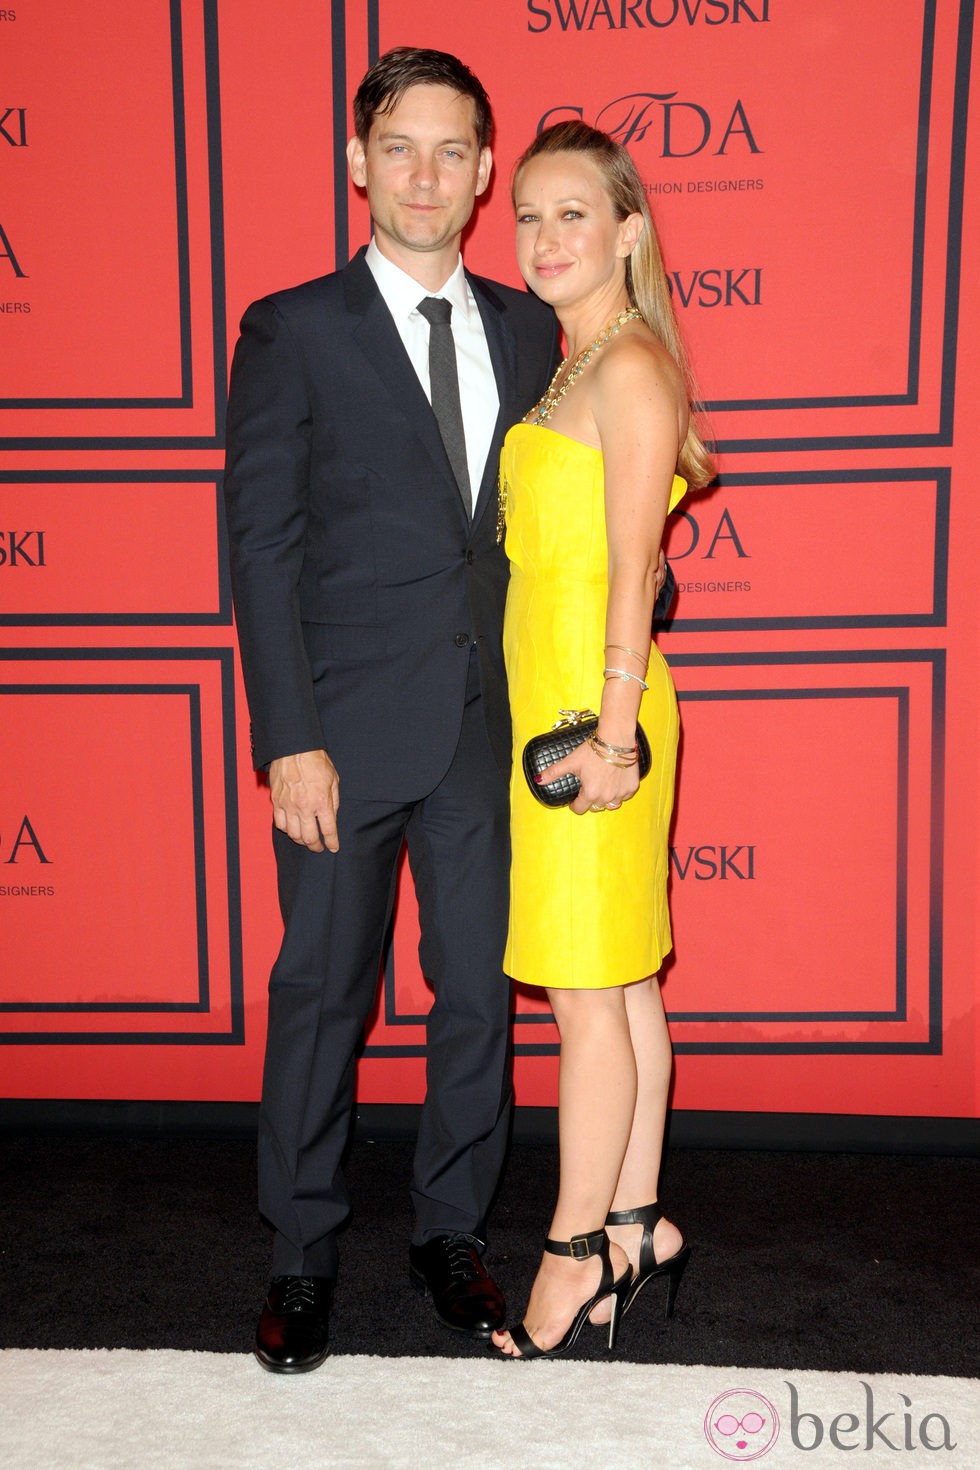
{"x": 390, "y": 77}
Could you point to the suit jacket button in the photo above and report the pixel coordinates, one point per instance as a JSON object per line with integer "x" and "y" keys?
{"x": 461, "y": 640}
{"x": 469, "y": 558}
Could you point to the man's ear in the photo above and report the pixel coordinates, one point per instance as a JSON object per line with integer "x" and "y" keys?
{"x": 484, "y": 170}
{"x": 356, "y": 162}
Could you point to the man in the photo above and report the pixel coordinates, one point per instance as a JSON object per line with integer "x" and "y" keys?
{"x": 363, "y": 436}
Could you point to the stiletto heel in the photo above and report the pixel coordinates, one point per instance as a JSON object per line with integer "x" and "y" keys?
{"x": 673, "y": 1268}
{"x": 580, "y": 1248}
{"x": 617, "y": 1308}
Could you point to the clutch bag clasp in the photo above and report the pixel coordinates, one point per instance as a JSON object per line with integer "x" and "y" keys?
{"x": 572, "y": 717}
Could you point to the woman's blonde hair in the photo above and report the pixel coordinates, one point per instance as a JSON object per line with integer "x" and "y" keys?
{"x": 646, "y": 279}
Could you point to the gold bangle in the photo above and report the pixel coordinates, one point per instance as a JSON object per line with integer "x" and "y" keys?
{"x": 615, "y": 761}
{"x": 644, "y": 659}
{"x": 614, "y": 749}
{"x": 613, "y": 755}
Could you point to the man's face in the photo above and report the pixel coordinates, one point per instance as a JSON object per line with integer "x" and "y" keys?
{"x": 422, "y": 169}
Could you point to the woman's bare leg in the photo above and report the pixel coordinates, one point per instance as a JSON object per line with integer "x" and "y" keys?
{"x": 597, "y": 1079}
{"x": 639, "y": 1177}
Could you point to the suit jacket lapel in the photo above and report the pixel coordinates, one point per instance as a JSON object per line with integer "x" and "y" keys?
{"x": 503, "y": 359}
{"x": 377, "y": 337}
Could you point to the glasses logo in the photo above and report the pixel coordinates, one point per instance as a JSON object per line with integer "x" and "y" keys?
{"x": 741, "y": 1424}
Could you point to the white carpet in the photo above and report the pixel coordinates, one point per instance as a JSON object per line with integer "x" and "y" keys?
{"x": 122, "y": 1410}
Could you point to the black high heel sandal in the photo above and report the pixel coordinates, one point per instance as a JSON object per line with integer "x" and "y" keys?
{"x": 673, "y": 1268}
{"x": 580, "y": 1248}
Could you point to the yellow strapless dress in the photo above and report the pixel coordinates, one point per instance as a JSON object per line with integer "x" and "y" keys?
{"x": 588, "y": 895}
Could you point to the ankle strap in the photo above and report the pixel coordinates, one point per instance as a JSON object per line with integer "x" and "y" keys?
{"x": 646, "y": 1215}
{"x": 580, "y": 1247}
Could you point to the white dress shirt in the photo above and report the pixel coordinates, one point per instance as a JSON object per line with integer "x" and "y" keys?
{"x": 478, "y": 397}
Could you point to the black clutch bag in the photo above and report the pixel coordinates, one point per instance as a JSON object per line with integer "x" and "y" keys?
{"x": 575, "y": 726}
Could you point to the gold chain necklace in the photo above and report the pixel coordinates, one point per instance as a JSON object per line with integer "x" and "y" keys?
{"x": 553, "y": 396}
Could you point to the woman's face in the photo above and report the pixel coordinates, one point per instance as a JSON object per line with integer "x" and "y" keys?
{"x": 570, "y": 245}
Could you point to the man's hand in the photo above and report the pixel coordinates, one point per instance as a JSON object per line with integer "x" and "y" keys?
{"x": 305, "y": 791}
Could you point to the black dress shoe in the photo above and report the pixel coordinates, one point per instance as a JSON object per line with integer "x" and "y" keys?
{"x": 292, "y": 1333}
{"x": 448, "y": 1270}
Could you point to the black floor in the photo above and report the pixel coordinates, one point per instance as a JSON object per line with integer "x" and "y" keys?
{"x": 856, "y": 1262}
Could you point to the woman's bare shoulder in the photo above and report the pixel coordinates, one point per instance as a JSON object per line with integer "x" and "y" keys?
{"x": 637, "y": 362}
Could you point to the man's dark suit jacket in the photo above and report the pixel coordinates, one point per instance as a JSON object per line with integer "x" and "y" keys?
{"x": 359, "y": 577}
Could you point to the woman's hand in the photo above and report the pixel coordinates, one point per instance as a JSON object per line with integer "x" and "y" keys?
{"x": 604, "y": 786}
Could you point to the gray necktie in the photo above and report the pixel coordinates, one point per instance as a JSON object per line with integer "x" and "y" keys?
{"x": 444, "y": 389}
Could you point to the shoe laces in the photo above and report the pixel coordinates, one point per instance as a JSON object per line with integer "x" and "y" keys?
{"x": 299, "y": 1295}
{"x": 459, "y": 1259}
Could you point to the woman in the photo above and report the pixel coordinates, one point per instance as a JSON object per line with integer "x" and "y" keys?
{"x": 586, "y": 483}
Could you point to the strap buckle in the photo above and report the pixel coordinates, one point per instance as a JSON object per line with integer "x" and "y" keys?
{"x": 580, "y": 1247}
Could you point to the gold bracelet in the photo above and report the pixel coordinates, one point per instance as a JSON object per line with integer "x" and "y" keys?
{"x": 644, "y": 659}
{"x": 614, "y": 760}
{"x": 595, "y": 739}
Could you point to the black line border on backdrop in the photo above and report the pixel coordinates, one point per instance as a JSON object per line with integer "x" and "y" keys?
{"x": 215, "y": 439}
{"x": 235, "y": 1034}
{"x": 939, "y": 476}
{"x": 932, "y": 1046}
{"x": 900, "y": 696}
{"x": 192, "y": 694}
{"x": 220, "y": 617}
{"x": 941, "y": 436}
{"x": 338, "y": 71}
{"x": 341, "y": 131}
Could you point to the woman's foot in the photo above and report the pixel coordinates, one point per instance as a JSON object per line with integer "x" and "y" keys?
{"x": 560, "y": 1289}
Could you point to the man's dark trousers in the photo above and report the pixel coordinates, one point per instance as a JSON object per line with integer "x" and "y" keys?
{"x": 336, "y": 906}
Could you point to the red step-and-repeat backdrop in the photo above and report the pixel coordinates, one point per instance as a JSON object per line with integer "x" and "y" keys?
{"x": 809, "y": 164}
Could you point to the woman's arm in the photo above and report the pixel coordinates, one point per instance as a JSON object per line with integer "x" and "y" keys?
{"x": 638, "y": 409}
